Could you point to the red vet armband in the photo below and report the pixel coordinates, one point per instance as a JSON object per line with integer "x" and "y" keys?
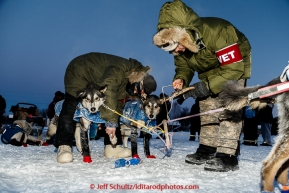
{"x": 230, "y": 54}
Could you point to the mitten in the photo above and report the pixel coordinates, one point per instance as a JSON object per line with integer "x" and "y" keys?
{"x": 199, "y": 91}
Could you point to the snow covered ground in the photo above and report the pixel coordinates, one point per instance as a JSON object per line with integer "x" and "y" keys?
{"x": 34, "y": 169}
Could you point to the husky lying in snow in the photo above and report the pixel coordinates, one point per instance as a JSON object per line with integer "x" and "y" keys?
{"x": 144, "y": 113}
{"x": 91, "y": 98}
{"x": 20, "y": 133}
{"x": 275, "y": 165}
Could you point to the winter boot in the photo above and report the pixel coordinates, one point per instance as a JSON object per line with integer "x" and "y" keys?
{"x": 222, "y": 163}
{"x": 198, "y": 158}
{"x": 64, "y": 154}
{"x": 116, "y": 152}
{"x": 203, "y": 154}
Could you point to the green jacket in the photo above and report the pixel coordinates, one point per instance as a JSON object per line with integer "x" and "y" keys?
{"x": 215, "y": 34}
{"x": 104, "y": 70}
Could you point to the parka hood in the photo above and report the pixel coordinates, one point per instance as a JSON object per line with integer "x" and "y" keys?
{"x": 139, "y": 73}
{"x": 177, "y": 17}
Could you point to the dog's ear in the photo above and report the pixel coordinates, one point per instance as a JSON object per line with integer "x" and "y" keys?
{"x": 143, "y": 104}
{"x": 81, "y": 94}
{"x": 144, "y": 98}
{"x": 102, "y": 90}
{"x": 161, "y": 101}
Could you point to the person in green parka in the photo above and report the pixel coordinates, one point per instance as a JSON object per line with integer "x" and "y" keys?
{"x": 123, "y": 77}
{"x": 218, "y": 52}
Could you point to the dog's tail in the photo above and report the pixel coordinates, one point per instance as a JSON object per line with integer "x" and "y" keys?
{"x": 234, "y": 96}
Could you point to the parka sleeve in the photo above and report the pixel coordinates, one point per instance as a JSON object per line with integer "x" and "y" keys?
{"x": 112, "y": 78}
{"x": 232, "y": 71}
{"x": 183, "y": 71}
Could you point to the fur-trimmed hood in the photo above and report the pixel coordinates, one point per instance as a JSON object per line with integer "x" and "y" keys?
{"x": 139, "y": 73}
{"x": 178, "y": 23}
{"x": 170, "y": 37}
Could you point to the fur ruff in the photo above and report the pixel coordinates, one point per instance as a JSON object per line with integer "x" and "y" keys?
{"x": 175, "y": 35}
{"x": 137, "y": 76}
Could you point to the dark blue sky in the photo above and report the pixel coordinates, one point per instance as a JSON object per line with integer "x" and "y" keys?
{"x": 39, "y": 38}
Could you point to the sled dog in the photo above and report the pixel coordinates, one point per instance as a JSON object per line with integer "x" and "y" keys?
{"x": 144, "y": 113}
{"x": 275, "y": 165}
{"x": 90, "y": 99}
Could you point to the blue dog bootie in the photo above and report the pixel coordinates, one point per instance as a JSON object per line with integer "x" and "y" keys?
{"x": 121, "y": 163}
{"x": 134, "y": 161}
{"x": 126, "y": 163}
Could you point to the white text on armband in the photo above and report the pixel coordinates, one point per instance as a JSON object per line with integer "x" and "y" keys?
{"x": 230, "y": 54}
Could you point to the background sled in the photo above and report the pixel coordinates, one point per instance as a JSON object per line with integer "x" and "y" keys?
{"x": 28, "y": 112}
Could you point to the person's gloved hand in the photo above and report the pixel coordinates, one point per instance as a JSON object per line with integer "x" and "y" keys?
{"x": 180, "y": 99}
{"x": 199, "y": 91}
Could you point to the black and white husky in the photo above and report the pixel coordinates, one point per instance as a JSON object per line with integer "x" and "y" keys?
{"x": 90, "y": 99}
{"x": 275, "y": 165}
{"x": 143, "y": 112}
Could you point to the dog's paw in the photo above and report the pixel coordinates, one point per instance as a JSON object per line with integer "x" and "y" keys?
{"x": 151, "y": 156}
{"x": 135, "y": 156}
{"x": 113, "y": 140}
{"x": 87, "y": 159}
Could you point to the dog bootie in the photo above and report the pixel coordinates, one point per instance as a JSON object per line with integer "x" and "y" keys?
{"x": 222, "y": 163}
{"x": 116, "y": 152}
{"x": 135, "y": 156}
{"x": 198, "y": 158}
{"x": 285, "y": 189}
{"x": 87, "y": 159}
{"x": 123, "y": 162}
{"x": 64, "y": 154}
{"x": 151, "y": 156}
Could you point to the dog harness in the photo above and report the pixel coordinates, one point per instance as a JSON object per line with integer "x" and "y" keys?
{"x": 132, "y": 110}
{"x": 80, "y": 112}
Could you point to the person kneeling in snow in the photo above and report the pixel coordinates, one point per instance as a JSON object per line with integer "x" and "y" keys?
{"x": 18, "y": 134}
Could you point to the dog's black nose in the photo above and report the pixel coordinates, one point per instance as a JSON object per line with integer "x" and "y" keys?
{"x": 93, "y": 109}
{"x": 151, "y": 116}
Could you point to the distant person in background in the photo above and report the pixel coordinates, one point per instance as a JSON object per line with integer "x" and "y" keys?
{"x": 250, "y": 127}
{"x": 58, "y": 96}
{"x": 274, "y": 128}
{"x": 2, "y": 109}
{"x": 195, "y": 121}
{"x": 265, "y": 117}
{"x": 94, "y": 130}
